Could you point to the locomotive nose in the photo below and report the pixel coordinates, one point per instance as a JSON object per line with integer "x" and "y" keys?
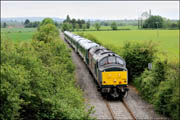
{"x": 114, "y": 78}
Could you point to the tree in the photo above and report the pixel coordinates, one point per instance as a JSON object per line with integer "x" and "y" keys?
{"x": 66, "y": 27}
{"x": 26, "y": 22}
{"x": 153, "y": 22}
{"x": 88, "y": 24}
{"x": 97, "y": 26}
{"x": 56, "y": 24}
{"x": 68, "y": 19}
{"x": 47, "y": 21}
{"x": 4, "y": 25}
{"x": 73, "y": 21}
{"x": 114, "y": 26}
{"x": 80, "y": 24}
{"x": 47, "y": 33}
{"x": 77, "y": 26}
{"x": 84, "y": 26}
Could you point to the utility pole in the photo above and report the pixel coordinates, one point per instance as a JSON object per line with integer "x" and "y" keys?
{"x": 138, "y": 22}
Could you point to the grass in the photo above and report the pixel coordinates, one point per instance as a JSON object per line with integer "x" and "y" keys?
{"x": 167, "y": 40}
{"x": 119, "y": 27}
{"x": 104, "y": 28}
{"x": 18, "y": 34}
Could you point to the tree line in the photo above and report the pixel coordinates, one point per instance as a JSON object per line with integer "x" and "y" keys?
{"x": 76, "y": 24}
{"x": 72, "y": 24}
{"x": 3, "y": 25}
{"x": 156, "y": 22}
{"x": 35, "y": 24}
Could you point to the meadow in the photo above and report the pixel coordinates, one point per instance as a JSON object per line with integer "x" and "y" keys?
{"x": 18, "y": 34}
{"x": 119, "y": 27}
{"x": 167, "y": 41}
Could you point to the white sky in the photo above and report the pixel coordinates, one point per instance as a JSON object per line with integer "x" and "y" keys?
{"x": 89, "y": 9}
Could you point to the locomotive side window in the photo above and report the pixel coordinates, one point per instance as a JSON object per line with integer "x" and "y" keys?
{"x": 103, "y": 62}
{"x": 111, "y": 60}
{"x": 119, "y": 61}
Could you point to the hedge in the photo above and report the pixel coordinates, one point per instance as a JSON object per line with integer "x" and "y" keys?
{"x": 37, "y": 82}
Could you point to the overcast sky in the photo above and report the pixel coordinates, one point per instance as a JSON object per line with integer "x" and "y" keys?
{"x": 89, "y": 9}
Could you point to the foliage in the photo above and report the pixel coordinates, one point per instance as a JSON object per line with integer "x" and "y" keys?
{"x": 137, "y": 57}
{"x": 114, "y": 26}
{"x": 28, "y": 24}
{"x": 47, "y": 21}
{"x": 66, "y": 27}
{"x": 88, "y": 24}
{"x": 73, "y": 23}
{"x": 46, "y": 33}
{"x": 165, "y": 93}
{"x": 77, "y": 26}
{"x": 97, "y": 26}
{"x": 37, "y": 82}
{"x": 153, "y": 22}
{"x": 84, "y": 27}
{"x": 4, "y": 25}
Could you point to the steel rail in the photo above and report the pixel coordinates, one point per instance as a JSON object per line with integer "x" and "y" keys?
{"x": 126, "y": 106}
{"x": 110, "y": 110}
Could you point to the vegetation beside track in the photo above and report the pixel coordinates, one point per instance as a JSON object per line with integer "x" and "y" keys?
{"x": 159, "y": 85}
{"x": 38, "y": 81}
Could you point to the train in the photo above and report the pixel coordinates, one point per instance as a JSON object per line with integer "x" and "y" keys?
{"x": 108, "y": 69}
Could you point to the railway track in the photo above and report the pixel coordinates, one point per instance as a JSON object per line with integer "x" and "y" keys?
{"x": 119, "y": 110}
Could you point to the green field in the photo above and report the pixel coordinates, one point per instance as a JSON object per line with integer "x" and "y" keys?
{"x": 18, "y": 34}
{"x": 167, "y": 40}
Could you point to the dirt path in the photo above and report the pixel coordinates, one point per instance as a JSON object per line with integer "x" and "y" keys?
{"x": 139, "y": 108}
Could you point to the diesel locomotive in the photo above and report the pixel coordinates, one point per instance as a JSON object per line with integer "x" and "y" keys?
{"x": 108, "y": 68}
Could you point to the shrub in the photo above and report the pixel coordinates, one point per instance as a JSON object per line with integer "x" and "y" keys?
{"x": 166, "y": 99}
{"x": 159, "y": 86}
{"x": 38, "y": 82}
{"x": 47, "y": 21}
{"x": 47, "y": 33}
{"x": 137, "y": 57}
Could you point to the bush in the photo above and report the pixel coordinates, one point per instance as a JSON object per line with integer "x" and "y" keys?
{"x": 47, "y": 33}
{"x": 151, "y": 79}
{"x": 159, "y": 86}
{"x": 47, "y": 21}
{"x": 37, "y": 82}
{"x": 137, "y": 57}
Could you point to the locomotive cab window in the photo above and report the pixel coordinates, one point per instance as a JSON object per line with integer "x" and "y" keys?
{"x": 111, "y": 60}
{"x": 119, "y": 60}
{"x": 103, "y": 62}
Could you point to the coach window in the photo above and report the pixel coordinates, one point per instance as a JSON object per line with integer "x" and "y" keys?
{"x": 103, "y": 62}
{"x": 111, "y": 60}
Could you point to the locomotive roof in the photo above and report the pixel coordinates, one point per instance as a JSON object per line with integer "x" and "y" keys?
{"x": 101, "y": 52}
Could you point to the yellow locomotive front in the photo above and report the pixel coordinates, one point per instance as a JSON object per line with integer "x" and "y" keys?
{"x": 114, "y": 78}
